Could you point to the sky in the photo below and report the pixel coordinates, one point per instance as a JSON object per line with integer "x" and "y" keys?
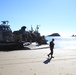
{"x": 52, "y": 16}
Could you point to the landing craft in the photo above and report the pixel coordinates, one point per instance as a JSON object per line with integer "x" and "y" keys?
{"x": 6, "y": 38}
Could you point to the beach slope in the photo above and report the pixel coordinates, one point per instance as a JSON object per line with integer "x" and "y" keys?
{"x": 36, "y": 62}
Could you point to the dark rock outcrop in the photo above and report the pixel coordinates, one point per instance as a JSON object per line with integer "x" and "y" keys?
{"x": 54, "y": 34}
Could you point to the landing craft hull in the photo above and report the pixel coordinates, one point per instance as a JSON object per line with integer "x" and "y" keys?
{"x": 8, "y": 46}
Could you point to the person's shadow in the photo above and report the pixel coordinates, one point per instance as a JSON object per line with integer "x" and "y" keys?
{"x": 47, "y": 61}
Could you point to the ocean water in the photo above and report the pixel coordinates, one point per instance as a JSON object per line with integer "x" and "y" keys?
{"x": 63, "y": 42}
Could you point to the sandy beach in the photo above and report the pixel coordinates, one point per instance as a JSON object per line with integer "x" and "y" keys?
{"x": 36, "y": 62}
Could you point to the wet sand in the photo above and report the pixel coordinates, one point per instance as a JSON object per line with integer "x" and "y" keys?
{"x": 36, "y": 62}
